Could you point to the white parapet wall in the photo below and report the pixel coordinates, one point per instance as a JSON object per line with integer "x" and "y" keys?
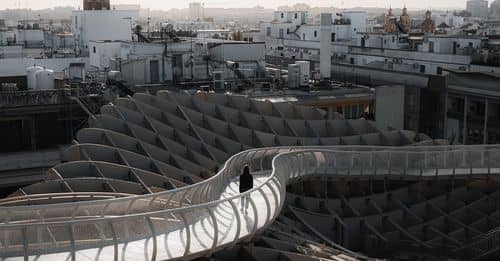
{"x": 17, "y": 66}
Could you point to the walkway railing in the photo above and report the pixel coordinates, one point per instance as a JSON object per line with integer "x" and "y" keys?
{"x": 202, "y": 218}
{"x": 483, "y": 247}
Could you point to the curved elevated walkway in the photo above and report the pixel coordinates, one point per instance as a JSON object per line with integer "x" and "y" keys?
{"x": 145, "y": 181}
{"x": 200, "y": 219}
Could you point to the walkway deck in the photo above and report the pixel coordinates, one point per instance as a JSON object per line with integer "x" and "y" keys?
{"x": 172, "y": 244}
{"x": 208, "y": 215}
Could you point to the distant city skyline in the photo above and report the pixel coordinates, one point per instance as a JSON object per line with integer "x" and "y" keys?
{"x": 166, "y": 5}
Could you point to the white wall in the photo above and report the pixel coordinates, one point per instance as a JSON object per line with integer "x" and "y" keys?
{"x": 325, "y": 47}
{"x": 378, "y": 76}
{"x": 31, "y": 37}
{"x": 62, "y": 41}
{"x": 138, "y": 70}
{"x": 406, "y": 61}
{"x": 102, "y": 25}
{"x": 221, "y": 34}
{"x": 6, "y": 36}
{"x": 358, "y": 21}
{"x": 294, "y": 17}
{"x": 485, "y": 69}
{"x": 494, "y": 30}
{"x": 306, "y": 31}
{"x": 343, "y": 32}
{"x": 102, "y": 52}
{"x": 389, "y": 108}
{"x": 193, "y": 25}
{"x": 238, "y": 52}
{"x": 17, "y": 67}
{"x": 382, "y": 40}
{"x": 450, "y": 19}
{"x": 15, "y": 51}
{"x": 444, "y": 45}
{"x": 135, "y": 59}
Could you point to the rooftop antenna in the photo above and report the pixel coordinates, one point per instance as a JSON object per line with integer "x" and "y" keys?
{"x": 149, "y": 23}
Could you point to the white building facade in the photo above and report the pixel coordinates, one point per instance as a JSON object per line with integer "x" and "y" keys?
{"x": 146, "y": 63}
{"x": 352, "y": 42}
{"x": 102, "y": 25}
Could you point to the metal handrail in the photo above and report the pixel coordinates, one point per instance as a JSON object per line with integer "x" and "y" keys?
{"x": 145, "y": 214}
{"x": 211, "y": 179}
{"x": 480, "y": 240}
{"x": 282, "y": 173}
{"x": 195, "y": 186}
{"x": 185, "y": 190}
{"x": 69, "y": 195}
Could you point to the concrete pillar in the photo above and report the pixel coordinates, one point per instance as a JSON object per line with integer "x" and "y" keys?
{"x": 32, "y": 133}
{"x": 330, "y": 113}
{"x": 445, "y": 120}
{"x": 325, "y": 46}
{"x": 466, "y": 110}
{"x": 486, "y": 114}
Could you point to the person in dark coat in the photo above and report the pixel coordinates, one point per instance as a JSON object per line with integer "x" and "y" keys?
{"x": 246, "y": 184}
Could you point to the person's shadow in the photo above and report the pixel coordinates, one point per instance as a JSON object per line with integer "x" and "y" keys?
{"x": 249, "y": 222}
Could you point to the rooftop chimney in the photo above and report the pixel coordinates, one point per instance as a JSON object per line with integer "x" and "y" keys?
{"x": 96, "y": 5}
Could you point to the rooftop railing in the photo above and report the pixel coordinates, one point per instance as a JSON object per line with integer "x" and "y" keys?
{"x": 43, "y": 97}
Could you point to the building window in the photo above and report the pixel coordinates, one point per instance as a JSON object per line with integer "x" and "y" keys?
{"x": 315, "y": 34}
{"x": 296, "y": 16}
{"x": 281, "y": 33}
{"x": 94, "y": 49}
{"x": 333, "y": 37}
{"x": 282, "y": 15}
{"x": 304, "y": 37}
{"x": 422, "y": 68}
{"x": 268, "y": 31}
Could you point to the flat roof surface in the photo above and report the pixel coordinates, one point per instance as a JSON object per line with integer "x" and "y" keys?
{"x": 316, "y": 95}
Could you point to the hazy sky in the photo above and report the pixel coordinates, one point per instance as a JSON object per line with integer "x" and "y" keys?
{"x": 167, "y": 4}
